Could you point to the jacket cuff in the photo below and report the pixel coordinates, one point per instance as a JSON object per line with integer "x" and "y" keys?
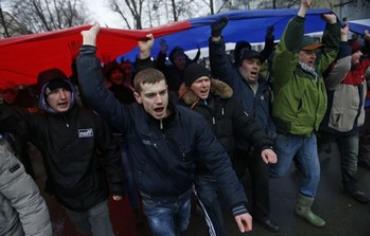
{"x": 87, "y": 49}
{"x": 344, "y": 50}
{"x": 221, "y": 41}
{"x": 239, "y": 210}
{"x": 117, "y": 190}
{"x": 266, "y": 147}
{"x": 299, "y": 19}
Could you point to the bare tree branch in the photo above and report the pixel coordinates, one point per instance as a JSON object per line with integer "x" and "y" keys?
{"x": 3, "y": 23}
{"x": 47, "y": 15}
{"x": 118, "y": 10}
{"x": 135, "y": 9}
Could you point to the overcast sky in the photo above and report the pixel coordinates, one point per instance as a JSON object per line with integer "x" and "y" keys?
{"x": 101, "y": 13}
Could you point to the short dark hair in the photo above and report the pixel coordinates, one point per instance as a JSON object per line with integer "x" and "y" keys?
{"x": 148, "y": 75}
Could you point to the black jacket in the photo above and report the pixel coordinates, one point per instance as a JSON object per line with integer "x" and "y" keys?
{"x": 69, "y": 142}
{"x": 164, "y": 158}
{"x": 226, "y": 116}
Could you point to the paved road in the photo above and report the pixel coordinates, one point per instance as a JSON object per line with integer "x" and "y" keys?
{"x": 344, "y": 216}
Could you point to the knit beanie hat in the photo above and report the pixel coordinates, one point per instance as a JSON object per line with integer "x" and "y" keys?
{"x": 193, "y": 72}
{"x": 46, "y": 76}
{"x": 57, "y": 84}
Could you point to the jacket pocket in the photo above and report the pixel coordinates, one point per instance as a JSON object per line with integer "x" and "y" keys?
{"x": 342, "y": 121}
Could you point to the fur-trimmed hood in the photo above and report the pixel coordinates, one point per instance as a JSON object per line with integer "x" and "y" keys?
{"x": 218, "y": 88}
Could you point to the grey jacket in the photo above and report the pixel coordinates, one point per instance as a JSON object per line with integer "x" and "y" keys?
{"x": 346, "y": 101}
{"x": 22, "y": 209}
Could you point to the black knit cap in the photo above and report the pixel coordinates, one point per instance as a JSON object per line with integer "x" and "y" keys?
{"x": 249, "y": 54}
{"x": 57, "y": 84}
{"x": 193, "y": 72}
{"x": 239, "y": 46}
{"x": 54, "y": 78}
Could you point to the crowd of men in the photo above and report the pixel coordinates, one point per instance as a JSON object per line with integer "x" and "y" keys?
{"x": 166, "y": 133}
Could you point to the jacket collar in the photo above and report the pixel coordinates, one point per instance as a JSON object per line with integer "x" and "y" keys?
{"x": 218, "y": 88}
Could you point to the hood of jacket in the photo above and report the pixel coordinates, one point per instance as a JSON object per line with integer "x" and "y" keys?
{"x": 43, "y": 104}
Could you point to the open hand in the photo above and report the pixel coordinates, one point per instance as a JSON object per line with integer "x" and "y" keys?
{"x": 147, "y": 43}
{"x": 306, "y": 3}
{"x": 89, "y": 36}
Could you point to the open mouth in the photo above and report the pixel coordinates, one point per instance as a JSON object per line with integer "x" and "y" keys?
{"x": 159, "y": 109}
{"x": 63, "y": 104}
{"x": 253, "y": 73}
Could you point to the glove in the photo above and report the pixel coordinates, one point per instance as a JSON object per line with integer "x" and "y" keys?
{"x": 218, "y": 26}
{"x": 89, "y": 36}
{"x": 163, "y": 46}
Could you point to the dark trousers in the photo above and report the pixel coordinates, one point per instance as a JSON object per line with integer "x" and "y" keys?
{"x": 258, "y": 179}
{"x": 364, "y": 152}
{"x": 348, "y": 149}
{"x": 210, "y": 200}
{"x": 93, "y": 221}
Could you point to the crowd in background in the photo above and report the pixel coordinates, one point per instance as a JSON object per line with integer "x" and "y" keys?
{"x": 171, "y": 133}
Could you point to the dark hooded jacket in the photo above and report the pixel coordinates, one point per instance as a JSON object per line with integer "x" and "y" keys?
{"x": 69, "y": 142}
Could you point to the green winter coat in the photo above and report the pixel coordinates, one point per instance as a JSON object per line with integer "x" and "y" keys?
{"x": 300, "y": 96}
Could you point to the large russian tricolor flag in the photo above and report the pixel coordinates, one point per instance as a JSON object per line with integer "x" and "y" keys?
{"x": 22, "y": 58}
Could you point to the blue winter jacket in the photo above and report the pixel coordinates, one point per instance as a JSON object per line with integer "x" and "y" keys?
{"x": 256, "y": 105}
{"x": 164, "y": 159}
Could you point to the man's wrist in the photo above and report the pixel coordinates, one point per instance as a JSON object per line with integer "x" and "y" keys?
{"x": 216, "y": 38}
{"x": 239, "y": 210}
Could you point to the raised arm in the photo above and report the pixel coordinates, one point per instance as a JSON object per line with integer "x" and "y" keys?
{"x": 91, "y": 79}
{"x": 269, "y": 44}
{"x": 221, "y": 65}
{"x": 342, "y": 65}
{"x": 331, "y": 39}
{"x": 162, "y": 54}
{"x": 285, "y": 58}
{"x": 144, "y": 61}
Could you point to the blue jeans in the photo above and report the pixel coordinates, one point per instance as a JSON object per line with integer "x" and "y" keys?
{"x": 167, "y": 216}
{"x": 304, "y": 149}
{"x": 210, "y": 200}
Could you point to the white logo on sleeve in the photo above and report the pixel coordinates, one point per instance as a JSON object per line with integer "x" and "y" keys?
{"x": 85, "y": 133}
